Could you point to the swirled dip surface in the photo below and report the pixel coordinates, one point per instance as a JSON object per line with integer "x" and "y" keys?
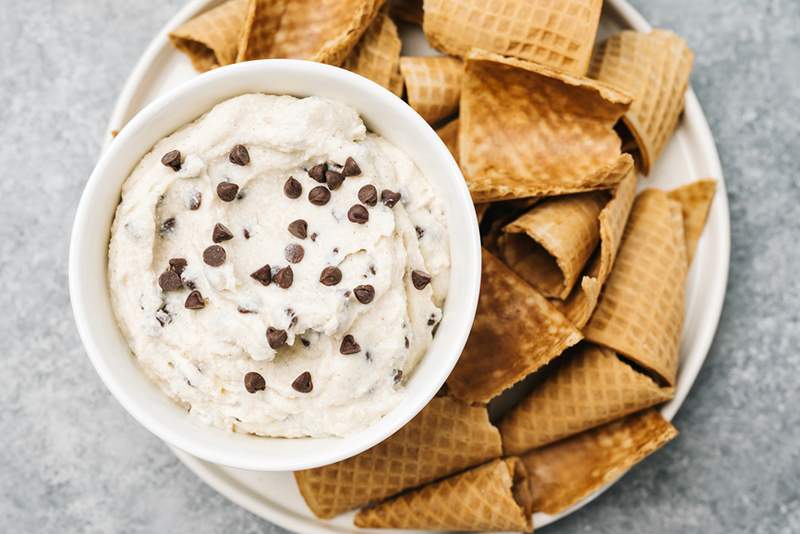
{"x": 339, "y": 350}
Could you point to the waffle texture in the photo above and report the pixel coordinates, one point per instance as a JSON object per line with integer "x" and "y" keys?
{"x": 695, "y": 200}
{"x": 211, "y": 39}
{"x": 260, "y": 27}
{"x": 433, "y": 85}
{"x": 377, "y": 55}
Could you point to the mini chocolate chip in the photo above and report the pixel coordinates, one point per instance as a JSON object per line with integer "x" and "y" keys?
{"x": 372, "y": 269}
{"x": 431, "y": 321}
{"x": 364, "y": 294}
{"x": 227, "y": 191}
{"x": 246, "y": 233}
{"x": 420, "y": 279}
{"x": 214, "y": 255}
{"x": 335, "y": 250}
{"x": 276, "y": 338}
{"x": 294, "y": 253}
{"x": 405, "y": 342}
{"x": 195, "y": 200}
{"x": 239, "y": 155}
{"x": 420, "y": 232}
{"x": 172, "y": 159}
{"x": 284, "y": 277}
{"x": 167, "y": 226}
{"x": 368, "y": 356}
{"x": 389, "y": 198}
{"x": 358, "y": 214}
{"x": 317, "y": 172}
{"x": 163, "y": 316}
{"x": 298, "y": 228}
{"x": 170, "y": 281}
{"x": 334, "y": 179}
{"x": 319, "y": 196}
{"x": 368, "y": 195}
{"x": 241, "y": 194}
{"x": 254, "y": 382}
{"x": 178, "y": 265}
{"x": 190, "y": 284}
{"x": 397, "y": 375}
{"x": 314, "y": 236}
{"x": 349, "y": 345}
{"x": 351, "y": 168}
{"x": 330, "y": 276}
{"x": 244, "y": 310}
{"x": 262, "y": 275}
{"x": 292, "y": 188}
{"x": 305, "y": 342}
{"x": 303, "y": 383}
{"x": 195, "y": 301}
{"x": 221, "y": 233}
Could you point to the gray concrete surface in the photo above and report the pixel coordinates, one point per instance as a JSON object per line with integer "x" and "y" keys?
{"x": 71, "y": 460}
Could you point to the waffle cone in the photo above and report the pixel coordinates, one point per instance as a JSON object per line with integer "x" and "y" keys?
{"x": 564, "y": 473}
{"x": 654, "y": 68}
{"x": 695, "y": 200}
{"x": 446, "y": 437}
{"x": 516, "y": 331}
{"x": 590, "y": 386}
{"x": 494, "y": 496}
{"x": 406, "y": 10}
{"x": 557, "y": 34}
{"x": 433, "y": 85}
{"x": 260, "y": 27}
{"x": 449, "y": 134}
{"x": 527, "y": 130}
{"x": 377, "y": 55}
{"x": 212, "y": 39}
{"x": 640, "y": 313}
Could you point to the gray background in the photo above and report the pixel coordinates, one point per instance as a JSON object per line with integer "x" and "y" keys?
{"x": 72, "y": 460}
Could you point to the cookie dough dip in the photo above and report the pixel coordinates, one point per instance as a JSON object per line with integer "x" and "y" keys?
{"x": 277, "y": 270}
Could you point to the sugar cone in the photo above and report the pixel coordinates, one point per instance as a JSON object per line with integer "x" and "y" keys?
{"x": 558, "y": 34}
{"x": 516, "y": 331}
{"x": 640, "y": 313}
{"x": 446, "y": 437}
{"x": 654, "y": 68}
{"x": 260, "y": 27}
{"x": 494, "y": 496}
{"x": 212, "y": 38}
{"x": 526, "y": 130}
{"x": 449, "y": 134}
{"x": 433, "y": 85}
{"x": 564, "y": 473}
{"x": 406, "y": 11}
{"x": 695, "y": 199}
{"x": 377, "y": 55}
{"x": 590, "y": 386}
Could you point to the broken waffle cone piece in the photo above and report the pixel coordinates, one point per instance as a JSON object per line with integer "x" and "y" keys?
{"x": 449, "y": 134}
{"x": 566, "y": 472}
{"x": 495, "y": 496}
{"x": 654, "y": 68}
{"x": 377, "y": 55}
{"x": 406, "y": 11}
{"x": 433, "y": 85}
{"x": 516, "y": 331}
{"x": 557, "y": 34}
{"x": 589, "y": 386}
{"x": 212, "y": 38}
{"x": 526, "y": 130}
{"x": 640, "y": 312}
{"x": 695, "y": 199}
{"x": 446, "y": 437}
{"x": 260, "y": 27}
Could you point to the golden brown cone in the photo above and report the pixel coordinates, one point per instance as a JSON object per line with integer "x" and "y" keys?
{"x": 446, "y": 437}
{"x": 640, "y": 312}
{"x": 433, "y": 85}
{"x": 654, "y": 68}
{"x": 260, "y": 27}
{"x": 564, "y": 473}
{"x": 495, "y": 496}
{"x": 516, "y": 331}
{"x": 589, "y": 386}
{"x": 406, "y": 10}
{"x": 449, "y": 134}
{"x": 377, "y": 55}
{"x": 695, "y": 199}
{"x": 559, "y": 34}
{"x": 212, "y": 38}
{"x": 526, "y": 130}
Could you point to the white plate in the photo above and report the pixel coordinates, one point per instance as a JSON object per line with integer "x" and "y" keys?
{"x": 691, "y": 154}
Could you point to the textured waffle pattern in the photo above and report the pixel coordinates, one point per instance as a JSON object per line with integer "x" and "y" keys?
{"x": 695, "y": 199}
{"x": 449, "y": 134}
{"x": 212, "y": 39}
{"x": 446, "y": 437}
{"x": 377, "y": 55}
{"x": 526, "y": 130}
{"x": 654, "y": 68}
{"x": 564, "y": 473}
{"x": 640, "y": 313}
{"x": 482, "y": 499}
{"x": 260, "y": 27}
{"x": 433, "y": 85}
{"x": 590, "y": 387}
{"x": 557, "y": 33}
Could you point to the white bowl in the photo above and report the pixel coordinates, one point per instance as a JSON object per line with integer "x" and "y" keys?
{"x": 384, "y": 114}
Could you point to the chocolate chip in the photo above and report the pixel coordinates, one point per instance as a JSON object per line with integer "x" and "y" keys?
{"x": 389, "y": 198}
{"x": 397, "y": 375}
{"x": 364, "y": 294}
{"x": 420, "y": 232}
{"x": 368, "y": 195}
{"x": 314, "y": 236}
{"x": 276, "y": 338}
{"x": 405, "y": 342}
{"x": 334, "y": 180}
{"x": 167, "y": 226}
{"x": 294, "y": 253}
{"x": 420, "y": 279}
{"x": 349, "y": 345}
{"x": 195, "y": 301}
{"x": 330, "y": 276}
{"x": 431, "y": 321}
{"x": 170, "y": 281}
{"x": 178, "y": 265}
{"x": 254, "y": 382}
{"x": 319, "y": 196}
{"x": 239, "y": 155}
{"x": 317, "y": 172}
{"x": 163, "y": 316}
{"x": 292, "y": 188}
{"x": 246, "y": 233}
{"x": 262, "y": 275}
{"x": 244, "y": 310}
{"x": 195, "y": 200}
{"x": 305, "y": 342}
{"x": 190, "y": 284}
{"x": 221, "y": 233}
{"x": 172, "y": 159}
{"x": 214, "y": 255}
{"x": 303, "y": 383}
{"x": 227, "y": 191}
{"x": 358, "y": 214}
{"x": 351, "y": 168}
{"x": 298, "y": 228}
{"x": 284, "y": 277}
